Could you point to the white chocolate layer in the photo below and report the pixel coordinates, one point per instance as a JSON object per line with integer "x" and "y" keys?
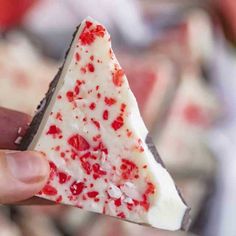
{"x": 94, "y": 137}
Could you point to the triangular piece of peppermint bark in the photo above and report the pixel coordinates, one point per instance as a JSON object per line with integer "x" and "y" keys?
{"x": 91, "y": 131}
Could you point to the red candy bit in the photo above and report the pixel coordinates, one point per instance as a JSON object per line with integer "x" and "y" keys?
{"x": 52, "y": 166}
{"x": 91, "y": 67}
{"x": 105, "y": 115}
{"x": 53, "y": 129}
{"x": 150, "y": 188}
{"x": 117, "y": 202}
{"x": 92, "y": 194}
{"x": 92, "y": 106}
{"x": 57, "y": 148}
{"x": 59, "y": 199}
{"x": 97, "y": 87}
{"x": 129, "y": 206}
{"x": 96, "y": 123}
{"x": 77, "y": 56}
{"x": 74, "y": 155}
{"x": 53, "y": 170}
{"x": 122, "y": 107}
{"x": 88, "y": 35}
{"x": 86, "y": 166}
{"x": 83, "y": 70}
{"x": 88, "y": 24}
{"x": 97, "y": 170}
{"x": 59, "y": 97}
{"x": 70, "y": 96}
{"x": 76, "y": 188}
{"x": 96, "y": 137}
{"x": 76, "y": 89}
{"x": 145, "y": 204}
{"x": 98, "y": 95}
{"x": 121, "y": 215}
{"x": 129, "y": 169}
{"x": 99, "y": 31}
{"x": 129, "y": 133}
{"x": 101, "y": 147}
{"x": 49, "y": 190}
{"x": 91, "y": 58}
{"x": 63, "y": 177}
{"x": 117, "y": 123}
{"x": 59, "y": 116}
{"x": 109, "y": 101}
{"x": 78, "y": 142}
{"x": 117, "y": 77}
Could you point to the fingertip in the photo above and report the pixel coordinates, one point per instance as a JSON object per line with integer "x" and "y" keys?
{"x": 23, "y": 174}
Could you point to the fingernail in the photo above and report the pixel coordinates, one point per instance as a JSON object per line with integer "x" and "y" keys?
{"x": 28, "y": 167}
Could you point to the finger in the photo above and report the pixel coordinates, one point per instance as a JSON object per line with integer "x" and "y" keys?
{"x": 22, "y": 175}
{"x": 13, "y": 125}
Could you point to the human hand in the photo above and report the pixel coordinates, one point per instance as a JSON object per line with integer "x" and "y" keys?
{"x": 22, "y": 174}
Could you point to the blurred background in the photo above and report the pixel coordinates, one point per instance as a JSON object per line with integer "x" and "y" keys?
{"x": 180, "y": 60}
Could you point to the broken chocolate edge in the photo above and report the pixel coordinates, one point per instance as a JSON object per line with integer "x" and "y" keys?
{"x": 42, "y": 107}
{"x": 186, "y": 221}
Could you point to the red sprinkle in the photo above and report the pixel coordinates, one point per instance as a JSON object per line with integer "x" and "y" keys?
{"x": 122, "y": 107}
{"x": 88, "y": 24}
{"x": 129, "y": 169}
{"x": 59, "y": 116}
{"x": 78, "y": 142}
{"x": 96, "y": 123}
{"x": 105, "y": 115}
{"x": 70, "y": 96}
{"x": 52, "y": 166}
{"x": 118, "y": 77}
{"x": 109, "y": 101}
{"x": 53, "y": 129}
{"x": 62, "y": 177}
{"x": 97, "y": 170}
{"x": 83, "y": 70}
{"x": 92, "y": 106}
{"x": 77, "y": 56}
{"x": 49, "y": 190}
{"x": 121, "y": 215}
{"x": 76, "y": 188}
{"x": 117, "y": 123}
{"x": 76, "y": 89}
{"x": 92, "y": 194}
{"x": 59, "y": 199}
{"x": 88, "y": 35}
{"x": 117, "y": 202}
{"x": 90, "y": 67}
{"x": 150, "y": 188}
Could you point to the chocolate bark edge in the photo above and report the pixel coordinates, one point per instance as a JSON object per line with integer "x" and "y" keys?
{"x": 186, "y": 221}
{"x": 42, "y": 107}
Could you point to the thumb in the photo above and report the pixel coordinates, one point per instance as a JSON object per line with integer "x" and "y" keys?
{"x": 22, "y": 175}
